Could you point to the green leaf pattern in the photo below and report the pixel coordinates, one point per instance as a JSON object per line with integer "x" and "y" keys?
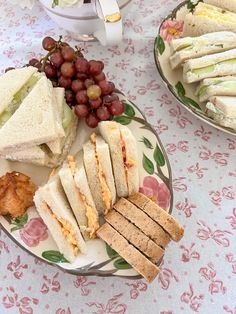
{"x": 19, "y": 222}
{"x": 159, "y": 157}
{"x": 186, "y": 100}
{"x": 159, "y": 44}
{"x": 148, "y": 165}
{"x": 54, "y": 257}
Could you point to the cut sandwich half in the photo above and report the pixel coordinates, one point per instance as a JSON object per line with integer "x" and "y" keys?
{"x": 186, "y": 48}
{"x": 55, "y": 211}
{"x": 14, "y": 86}
{"x": 222, "y": 109}
{"x": 208, "y": 18}
{"x": 229, "y": 5}
{"x": 34, "y": 122}
{"x": 218, "y": 64}
{"x": 75, "y": 184}
{"x": 218, "y": 86}
{"x": 124, "y": 156}
{"x": 98, "y": 168}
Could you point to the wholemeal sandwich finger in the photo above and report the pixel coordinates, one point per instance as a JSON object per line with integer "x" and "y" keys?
{"x": 159, "y": 215}
{"x": 135, "y": 236}
{"x": 136, "y": 259}
{"x": 143, "y": 222}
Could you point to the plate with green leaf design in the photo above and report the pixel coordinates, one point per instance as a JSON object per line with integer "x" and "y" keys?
{"x": 31, "y": 234}
{"x": 170, "y": 28}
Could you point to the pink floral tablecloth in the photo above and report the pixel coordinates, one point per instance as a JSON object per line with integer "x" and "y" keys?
{"x": 199, "y": 273}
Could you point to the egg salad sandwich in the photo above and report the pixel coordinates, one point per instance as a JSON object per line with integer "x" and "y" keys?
{"x": 75, "y": 184}
{"x": 97, "y": 163}
{"x": 208, "y": 18}
{"x": 124, "y": 156}
{"x": 218, "y": 64}
{"x": 14, "y": 86}
{"x": 186, "y": 48}
{"x": 222, "y": 109}
{"x": 52, "y": 206}
{"x": 229, "y": 5}
{"x": 218, "y": 86}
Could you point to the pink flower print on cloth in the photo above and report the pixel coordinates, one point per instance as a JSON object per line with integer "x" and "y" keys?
{"x": 34, "y": 232}
{"x": 156, "y": 191}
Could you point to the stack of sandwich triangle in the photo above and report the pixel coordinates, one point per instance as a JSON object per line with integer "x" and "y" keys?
{"x": 87, "y": 186}
{"x": 36, "y": 125}
{"x": 85, "y": 190}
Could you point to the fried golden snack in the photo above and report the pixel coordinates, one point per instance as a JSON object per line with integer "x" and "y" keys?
{"x": 16, "y": 194}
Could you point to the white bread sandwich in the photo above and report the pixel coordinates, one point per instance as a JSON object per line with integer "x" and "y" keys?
{"x": 126, "y": 250}
{"x": 218, "y": 64}
{"x": 186, "y": 48}
{"x": 75, "y": 184}
{"x": 55, "y": 211}
{"x": 14, "y": 86}
{"x": 229, "y": 5}
{"x": 34, "y": 122}
{"x": 222, "y": 109}
{"x": 208, "y": 18}
{"x": 51, "y": 154}
{"x": 97, "y": 163}
{"x": 124, "y": 156}
{"x": 218, "y": 86}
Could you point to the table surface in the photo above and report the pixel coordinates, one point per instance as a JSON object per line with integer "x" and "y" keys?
{"x": 199, "y": 273}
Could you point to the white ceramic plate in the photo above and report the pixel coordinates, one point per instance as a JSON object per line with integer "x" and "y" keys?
{"x": 31, "y": 234}
{"x": 171, "y": 27}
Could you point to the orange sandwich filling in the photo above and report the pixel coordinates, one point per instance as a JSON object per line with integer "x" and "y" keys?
{"x": 106, "y": 193}
{"x": 128, "y": 163}
{"x": 91, "y": 215}
{"x": 67, "y": 230}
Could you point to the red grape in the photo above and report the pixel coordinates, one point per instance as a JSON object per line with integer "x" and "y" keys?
{"x": 81, "y": 111}
{"x": 69, "y": 96}
{"x": 94, "y": 104}
{"x": 92, "y": 120}
{"x": 77, "y": 85}
{"x": 33, "y": 61}
{"x": 116, "y": 108}
{"x": 48, "y": 43}
{"x": 50, "y": 71}
{"x": 100, "y": 77}
{"x": 106, "y": 87}
{"x": 82, "y": 65}
{"x": 95, "y": 67}
{"x": 93, "y": 92}
{"x": 81, "y": 76}
{"x": 68, "y": 69}
{"x": 103, "y": 113}
{"x": 68, "y": 53}
{"x": 56, "y": 59}
{"x": 64, "y": 82}
{"x": 81, "y": 97}
{"x": 109, "y": 98}
{"x": 88, "y": 82}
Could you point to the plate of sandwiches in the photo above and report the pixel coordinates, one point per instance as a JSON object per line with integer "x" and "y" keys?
{"x": 195, "y": 54}
{"x": 90, "y": 201}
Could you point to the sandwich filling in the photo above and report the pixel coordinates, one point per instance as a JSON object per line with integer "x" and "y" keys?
{"x": 106, "y": 193}
{"x": 128, "y": 163}
{"x": 66, "y": 229}
{"x": 215, "y": 13}
{"x": 91, "y": 215}
{"x": 17, "y": 99}
{"x": 225, "y": 85}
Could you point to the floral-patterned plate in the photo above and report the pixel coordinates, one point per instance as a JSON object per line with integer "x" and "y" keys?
{"x": 30, "y": 233}
{"x": 170, "y": 28}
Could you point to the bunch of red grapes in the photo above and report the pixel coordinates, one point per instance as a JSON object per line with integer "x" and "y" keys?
{"x": 86, "y": 86}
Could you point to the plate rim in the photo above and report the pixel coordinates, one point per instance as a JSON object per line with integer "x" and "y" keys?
{"x": 170, "y": 87}
{"x": 75, "y": 272}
